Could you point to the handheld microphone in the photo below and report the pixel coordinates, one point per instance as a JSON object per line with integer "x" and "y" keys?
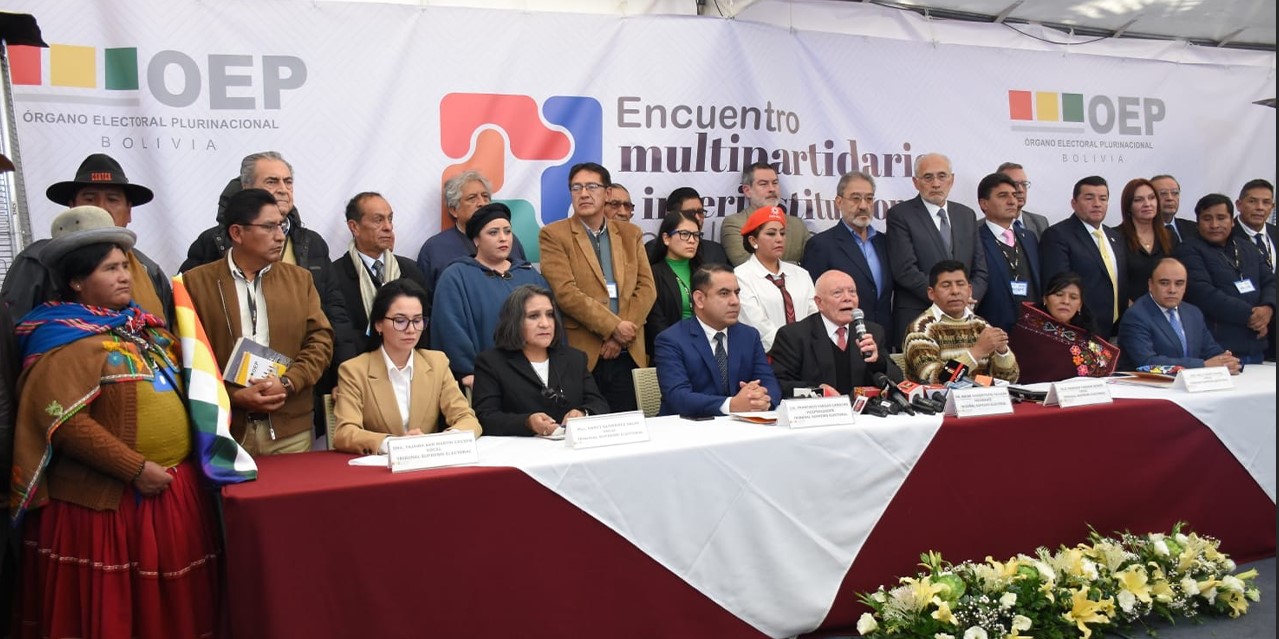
{"x": 925, "y": 405}
{"x": 859, "y": 328}
{"x": 954, "y": 371}
{"x": 889, "y": 390}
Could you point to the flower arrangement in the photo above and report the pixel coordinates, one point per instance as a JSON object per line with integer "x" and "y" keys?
{"x": 1105, "y": 584}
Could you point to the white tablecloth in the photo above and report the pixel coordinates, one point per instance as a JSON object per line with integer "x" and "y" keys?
{"x": 702, "y": 498}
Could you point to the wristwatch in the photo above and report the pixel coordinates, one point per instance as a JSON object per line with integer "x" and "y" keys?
{"x": 288, "y": 385}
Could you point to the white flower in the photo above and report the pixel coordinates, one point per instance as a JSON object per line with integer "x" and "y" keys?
{"x": 1253, "y": 594}
{"x": 1190, "y": 586}
{"x": 879, "y": 596}
{"x": 976, "y": 632}
{"x": 1161, "y": 547}
{"x": 1021, "y": 623}
{"x": 1008, "y": 600}
{"x": 1181, "y": 538}
{"x": 942, "y": 635}
{"x": 1210, "y": 594}
{"x": 1090, "y": 570}
{"x": 1046, "y": 572}
{"x": 1126, "y": 600}
{"x": 1229, "y": 565}
{"x": 866, "y": 624}
{"x": 1231, "y": 582}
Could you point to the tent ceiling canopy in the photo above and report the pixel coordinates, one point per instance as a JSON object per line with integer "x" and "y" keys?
{"x": 1248, "y": 24}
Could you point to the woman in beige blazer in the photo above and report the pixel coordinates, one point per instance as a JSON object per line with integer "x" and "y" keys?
{"x": 396, "y": 389}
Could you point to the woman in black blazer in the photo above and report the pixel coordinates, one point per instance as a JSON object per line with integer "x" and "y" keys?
{"x": 532, "y": 382}
{"x": 673, "y": 266}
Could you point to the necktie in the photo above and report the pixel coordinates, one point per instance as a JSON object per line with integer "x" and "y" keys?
{"x": 377, "y": 272}
{"x": 1109, "y": 259}
{"x": 789, "y": 305}
{"x": 1017, "y": 223}
{"x": 1181, "y": 333}
{"x": 1008, "y": 237}
{"x": 721, "y": 359}
{"x": 1265, "y": 250}
{"x": 1172, "y": 226}
{"x": 945, "y": 230}
{"x": 842, "y": 334}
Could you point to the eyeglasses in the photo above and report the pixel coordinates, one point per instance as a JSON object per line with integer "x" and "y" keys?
{"x": 589, "y": 186}
{"x": 272, "y": 228}
{"x": 697, "y": 212}
{"x": 555, "y": 396}
{"x": 1025, "y": 184}
{"x": 506, "y": 275}
{"x": 685, "y": 235}
{"x": 934, "y": 177}
{"x": 1169, "y": 192}
{"x": 618, "y": 204}
{"x": 402, "y": 323}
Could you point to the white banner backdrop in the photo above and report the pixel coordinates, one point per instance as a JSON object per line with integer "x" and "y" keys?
{"x": 393, "y": 99}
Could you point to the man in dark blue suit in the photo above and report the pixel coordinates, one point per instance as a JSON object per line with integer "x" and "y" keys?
{"x": 1255, "y": 205}
{"x": 709, "y": 364}
{"x": 1160, "y": 330}
{"x": 928, "y": 229}
{"x": 1081, "y": 244}
{"x": 1012, "y": 253}
{"x": 856, "y": 248}
{"x": 1229, "y": 281}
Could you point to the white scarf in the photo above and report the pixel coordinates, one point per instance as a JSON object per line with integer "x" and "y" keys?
{"x": 390, "y": 271}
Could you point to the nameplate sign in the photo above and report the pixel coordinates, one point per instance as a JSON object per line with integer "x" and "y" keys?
{"x": 1078, "y": 392}
{"x": 606, "y": 430}
{"x": 419, "y": 452}
{"x": 978, "y": 400}
{"x": 820, "y": 411}
{"x": 1198, "y": 380}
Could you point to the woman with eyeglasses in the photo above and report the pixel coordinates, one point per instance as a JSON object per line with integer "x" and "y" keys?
{"x": 532, "y": 382}
{"x": 471, "y": 290}
{"x": 396, "y": 389}
{"x": 673, "y": 270}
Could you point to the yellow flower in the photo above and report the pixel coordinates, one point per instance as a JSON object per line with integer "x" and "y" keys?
{"x": 1084, "y": 611}
{"x": 1134, "y": 580}
{"x": 942, "y": 613}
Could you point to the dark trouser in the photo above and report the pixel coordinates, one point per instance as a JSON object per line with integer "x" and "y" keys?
{"x": 613, "y": 377}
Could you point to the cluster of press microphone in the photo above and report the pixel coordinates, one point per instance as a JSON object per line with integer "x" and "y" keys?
{"x": 915, "y": 399}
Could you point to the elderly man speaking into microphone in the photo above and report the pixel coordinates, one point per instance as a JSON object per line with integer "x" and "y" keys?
{"x": 834, "y": 349}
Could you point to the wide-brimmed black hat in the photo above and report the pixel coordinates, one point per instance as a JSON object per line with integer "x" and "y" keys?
{"x": 99, "y": 169}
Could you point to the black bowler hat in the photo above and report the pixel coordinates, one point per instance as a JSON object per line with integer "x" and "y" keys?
{"x": 99, "y": 169}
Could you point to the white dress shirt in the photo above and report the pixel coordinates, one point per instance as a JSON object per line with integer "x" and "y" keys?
{"x": 761, "y": 300}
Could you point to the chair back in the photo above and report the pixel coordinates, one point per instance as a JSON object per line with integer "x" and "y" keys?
{"x": 648, "y": 395}
{"x": 330, "y": 421}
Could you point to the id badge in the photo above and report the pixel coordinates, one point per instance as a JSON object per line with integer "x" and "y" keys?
{"x": 612, "y": 290}
{"x": 1245, "y": 285}
{"x": 1021, "y": 289}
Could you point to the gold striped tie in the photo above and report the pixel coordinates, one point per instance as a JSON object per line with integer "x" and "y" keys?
{"x": 1109, "y": 259}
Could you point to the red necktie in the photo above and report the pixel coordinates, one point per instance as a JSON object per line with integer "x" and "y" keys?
{"x": 842, "y": 333}
{"x": 780, "y": 281}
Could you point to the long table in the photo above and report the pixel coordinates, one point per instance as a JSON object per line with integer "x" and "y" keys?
{"x": 319, "y": 549}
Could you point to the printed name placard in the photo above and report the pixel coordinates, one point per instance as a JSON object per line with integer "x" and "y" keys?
{"x": 419, "y": 452}
{"x": 819, "y": 411}
{"x": 978, "y": 400}
{"x": 1078, "y": 392}
{"x": 606, "y": 430}
{"x": 1198, "y": 380}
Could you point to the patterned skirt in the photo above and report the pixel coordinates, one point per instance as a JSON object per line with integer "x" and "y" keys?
{"x": 147, "y": 569}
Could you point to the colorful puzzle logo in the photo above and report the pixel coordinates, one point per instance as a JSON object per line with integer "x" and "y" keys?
{"x": 1050, "y": 111}
{"x": 568, "y": 130}
{"x": 76, "y": 66}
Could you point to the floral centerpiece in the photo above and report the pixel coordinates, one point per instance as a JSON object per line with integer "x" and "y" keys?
{"x": 1105, "y": 584}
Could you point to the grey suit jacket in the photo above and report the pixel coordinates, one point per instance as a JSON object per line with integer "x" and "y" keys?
{"x": 1034, "y": 222}
{"x": 915, "y": 246}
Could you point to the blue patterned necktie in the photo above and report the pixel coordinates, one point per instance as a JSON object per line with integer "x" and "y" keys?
{"x": 1181, "y": 333}
{"x": 721, "y": 360}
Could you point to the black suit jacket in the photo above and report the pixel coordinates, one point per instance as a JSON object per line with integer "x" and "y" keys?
{"x": 347, "y": 279}
{"x": 915, "y": 246}
{"x": 835, "y": 248}
{"x": 668, "y": 307}
{"x": 507, "y": 390}
{"x": 1068, "y": 246}
{"x": 803, "y": 357}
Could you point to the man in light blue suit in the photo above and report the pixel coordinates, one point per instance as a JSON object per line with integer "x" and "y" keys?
{"x": 1159, "y": 329}
{"x": 709, "y": 364}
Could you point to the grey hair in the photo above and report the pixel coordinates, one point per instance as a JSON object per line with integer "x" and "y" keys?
{"x": 250, "y": 164}
{"x": 453, "y": 187}
{"x": 920, "y": 158}
{"x": 849, "y": 177}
